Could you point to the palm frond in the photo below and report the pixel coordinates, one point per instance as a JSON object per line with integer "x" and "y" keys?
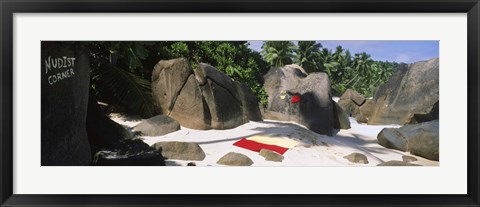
{"x": 128, "y": 89}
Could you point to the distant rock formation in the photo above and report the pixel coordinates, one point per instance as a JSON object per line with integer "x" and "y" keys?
{"x": 355, "y": 105}
{"x": 293, "y": 95}
{"x": 410, "y": 96}
{"x": 204, "y": 98}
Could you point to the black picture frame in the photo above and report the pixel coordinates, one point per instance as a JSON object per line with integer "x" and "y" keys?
{"x": 9, "y": 7}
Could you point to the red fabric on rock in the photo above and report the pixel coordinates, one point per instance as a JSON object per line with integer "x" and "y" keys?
{"x": 295, "y": 99}
{"x": 256, "y": 146}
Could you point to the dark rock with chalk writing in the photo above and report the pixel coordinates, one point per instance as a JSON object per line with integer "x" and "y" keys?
{"x": 65, "y": 79}
{"x": 74, "y": 127}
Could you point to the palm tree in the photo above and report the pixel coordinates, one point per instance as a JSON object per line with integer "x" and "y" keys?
{"x": 362, "y": 63}
{"x": 117, "y": 75}
{"x": 308, "y": 55}
{"x": 278, "y": 53}
{"x": 347, "y": 59}
{"x": 338, "y": 53}
{"x": 325, "y": 57}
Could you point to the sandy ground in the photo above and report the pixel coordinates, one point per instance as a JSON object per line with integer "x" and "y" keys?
{"x": 313, "y": 149}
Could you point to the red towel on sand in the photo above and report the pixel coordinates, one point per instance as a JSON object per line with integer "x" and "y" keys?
{"x": 295, "y": 99}
{"x": 256, "y": 146}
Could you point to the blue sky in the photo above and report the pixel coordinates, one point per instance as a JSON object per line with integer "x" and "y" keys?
{"x": 407, "y": 51}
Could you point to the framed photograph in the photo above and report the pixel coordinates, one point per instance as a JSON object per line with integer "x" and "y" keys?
{"x": 201, "y": 103}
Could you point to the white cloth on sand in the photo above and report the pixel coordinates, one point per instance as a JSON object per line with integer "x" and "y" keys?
{"x": 273, "y": 140}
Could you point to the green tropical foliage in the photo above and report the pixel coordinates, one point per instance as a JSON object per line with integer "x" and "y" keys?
{"x": 278, "y": 53}
{"x": 308, "y": 55}
{"x": 358, "y": 72}
{"x": 117, "y": 75}
{"x": 129, "y": 89}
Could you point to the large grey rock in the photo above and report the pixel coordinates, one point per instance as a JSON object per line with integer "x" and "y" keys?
{"x": 205, "y": 72}
{"x": 176, "y": 93}
{"x": 222, "y": 98}
{"x": 419, "y": 139}
{"x": 157, "y": 126}
{"x": 315, "y": 109}
{"x": 168, "y": 79}
{"x": 357, "y": 158}
{"x": 65, "y": 81}
{"x": 271, "y": 155}
{"x": 235, "y": 159}
{"x": 277, "y": 82}
{"x": 180, "y": 150}
{"x": 411, "y": 95}
{"x": 249, "y": 101}
{"x": 204, "y": 98}
{"x": 393, "y": 139}
{"x": 423, "y": 139}
{"x": 191, "y": 109}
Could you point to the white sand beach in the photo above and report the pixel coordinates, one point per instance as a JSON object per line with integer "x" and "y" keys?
{"x": 313, "y": 149}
